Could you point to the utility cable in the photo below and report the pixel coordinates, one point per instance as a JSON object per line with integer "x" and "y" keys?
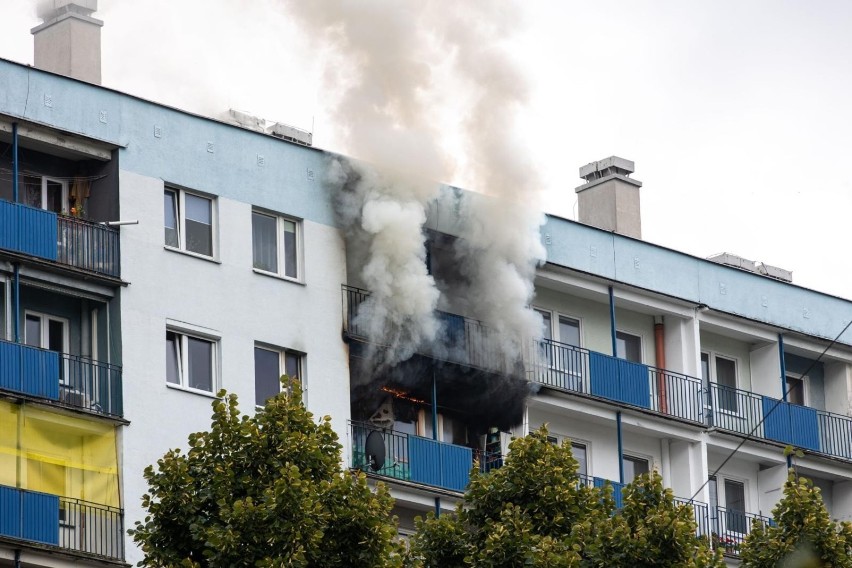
{"x": 766, "y": 415}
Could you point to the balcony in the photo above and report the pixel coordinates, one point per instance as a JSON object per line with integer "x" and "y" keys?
{"x": 69, "y": 524}
{"x": 69, "y": 241}
{"x": 69, "y": 380}
{"x": 573, "y": 369}
{"x": 417, "y": 459}
{"x": 746, "y": 413}
{"x": 464, "y": 341}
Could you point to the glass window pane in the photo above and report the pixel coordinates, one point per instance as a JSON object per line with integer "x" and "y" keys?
{"x": 170, "y": 210}
{"x": 579, "y": 451}
{"x": 172, "y": 358}
{"x": 290, "y": 255}
{"x": 569, "y": 331}
{"x": 264, "y": 242}
{"x": 734, "y": 495}
{"x": 32, "y": 331}
{"x": 32, "y": 191}
{"x": 53, "y": 197}
{"x": 267, "y": 376}
{"x": 726, "y": 372}
{"x": 200, "y": 361}
{"x": 634, "y": 467}
{"x": 714, "y": 499}
{"x": 55, "y": 335}
{"x": 796, "y": 391}
{"x": 705, "y": 366}
{"x": 199, "y": 226}
{"x": 291, "y": 366}
{"x": 546, "y": 329}
{"x": 628, "y": 347}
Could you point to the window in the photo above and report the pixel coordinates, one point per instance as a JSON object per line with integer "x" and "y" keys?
{"x": 567, "y": 329}
{"x": 628, "y": 346}
{"x": 188, "y": 221}
{"x": 796, "y": 390}
{"x": 46, "y": 332}
{"x": 269, "y": 365}
{"x": 722, "y": 371}
{"x": 190, "y": 361}
{"x": 275, "y": 244}
{"x": 578, "y": 451}
{"x": 47, "y": 193}
{"x": 634, "y": 467}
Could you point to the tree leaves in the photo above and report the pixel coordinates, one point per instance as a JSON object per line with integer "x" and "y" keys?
{"x": 264, "y": 490}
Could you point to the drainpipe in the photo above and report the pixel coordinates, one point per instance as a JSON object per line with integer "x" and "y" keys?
{"x": 620, "y": 448}
{"x": 784, "y": 389}
{"x": 660, "y": 347}
{"x": 17, "y": 558}
{"x": 612, "y": 323}
{"x": 435, "y": 435}
{"x": 15, "y": 162}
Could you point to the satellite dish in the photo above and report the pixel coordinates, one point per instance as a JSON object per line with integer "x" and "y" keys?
{"x": 374, "y": 448}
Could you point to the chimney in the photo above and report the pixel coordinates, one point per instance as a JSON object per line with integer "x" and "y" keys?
{"x": 610, "y": 198}
{"x": 68, "y": 42}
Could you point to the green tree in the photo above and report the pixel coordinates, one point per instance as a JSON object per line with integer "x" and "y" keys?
{"x": 801, "y": 535}
{"x": 264, "y": 490}
{"x": 535, "y": 511}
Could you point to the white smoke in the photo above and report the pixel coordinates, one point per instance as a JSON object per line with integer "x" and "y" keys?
{"x": 392, "y": 64}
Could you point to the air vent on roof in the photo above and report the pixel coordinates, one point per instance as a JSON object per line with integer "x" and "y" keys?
{"x": 291, "y": 133}
{"x": 246, "y": 120}
{"x": 752, "y": 266}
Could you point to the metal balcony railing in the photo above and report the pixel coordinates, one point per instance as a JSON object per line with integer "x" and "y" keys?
{"x": 744, "y": 412}
{"x": 74, "y": 242}
{"x": 71, "y": 380}
{"x": 574, "y": 369}
{"x": 419, "y": 460}
{"x": 730, "y": 527}
{"x": 461, "y": 340}
{"x": 70, "y": 524}
{"x": 91, "y": 528}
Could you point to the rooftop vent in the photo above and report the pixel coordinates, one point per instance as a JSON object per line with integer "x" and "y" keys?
{"x": 246, "y": 120}
{"x": 291, "y": 133}
{"x": 751, "y": 266}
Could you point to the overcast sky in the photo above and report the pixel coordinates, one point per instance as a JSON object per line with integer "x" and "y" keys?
{"x": 737, "y": 114}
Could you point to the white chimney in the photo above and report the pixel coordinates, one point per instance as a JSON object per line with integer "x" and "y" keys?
{"x": 610, "y": 198}
{"x": 68, "y": 42}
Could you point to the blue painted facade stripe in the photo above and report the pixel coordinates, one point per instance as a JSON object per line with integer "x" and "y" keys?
{"x": 620, "y": 380}
{"x": 438, "y": 464}
{"x": 40, "y": 517}
{"x": 27, "y": 230}
{"x": 10, "y": 512}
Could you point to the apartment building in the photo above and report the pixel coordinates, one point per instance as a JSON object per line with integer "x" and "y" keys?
{"x": 150, "y": 257}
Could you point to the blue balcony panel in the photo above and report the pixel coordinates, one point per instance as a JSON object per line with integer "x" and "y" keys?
{"x": 10, "y": 512}
{"x": 29, "y": 370}
{"x": 791, "y": 424}
{"x": 620, "y": 380}
{"x": 40, "y": 517}
{"x": 617, "y": 490}
{"x": 28, "y": 230}
{"x": 438, "y": 464}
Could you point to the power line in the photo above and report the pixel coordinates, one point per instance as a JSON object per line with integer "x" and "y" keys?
{"x": 766, "y": 415}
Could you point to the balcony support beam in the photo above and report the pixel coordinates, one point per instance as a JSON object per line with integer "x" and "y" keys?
{"x": 784, "y": 386}
{"x": 620, "y": 447}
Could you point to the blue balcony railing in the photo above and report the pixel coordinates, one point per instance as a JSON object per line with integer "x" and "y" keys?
{"x": 574, "y": 369}
{"x": 70, "y": 380}
{"x": 74, "y": 242}
{"x": 419, "y": 460}
{"x": 70, "y": 524}
{"x": 747, "y": 413}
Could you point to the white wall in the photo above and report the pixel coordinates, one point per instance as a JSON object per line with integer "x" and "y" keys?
{"x": 230, "y": 300}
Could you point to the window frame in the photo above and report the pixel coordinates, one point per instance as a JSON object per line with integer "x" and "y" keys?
{"x": 45, "y": 319}
{"x": 280, "y": 257}
{"x": 634, "y": 457}
{"x": 557, "y": 439}
{"x": 66, "y": 207}
{"x": 712, "y": 356}
{"x": 554, "y": 324}
{"x": 282, "y": 353}
{"x": 806, "y": 399}
{"x": 183, "y": 335}
{"x": 638, "y": 336}
{"x": 180, "y": 222}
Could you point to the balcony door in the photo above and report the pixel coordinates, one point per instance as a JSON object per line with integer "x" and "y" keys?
{"x": 47, "y": 193}
{"x": 47, "y": 332}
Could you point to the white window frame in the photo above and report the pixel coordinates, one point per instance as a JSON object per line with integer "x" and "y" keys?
{"x": 282, "y": 353}
{"x": 64, "y": 183}
{"x": 183, "y": 332}
{"x": 559, "y": 438}
{"x": 640, "y": 337}
{"x": 180, "y": 221}
{"x": 554, "y": 323}
{"x": 280, "y": 219}
{"x": 639, "y": 456}
{"x": 45, "y": 318}
{"x": 806, "y": 397}
{"x": 722, "y": 497}
{"x": 711, "y": 369}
